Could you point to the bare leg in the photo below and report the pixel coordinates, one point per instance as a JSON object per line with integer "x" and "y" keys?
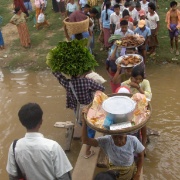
{"x": 176, "y": 43}
{"x": 172, "y": 44}
{"x": 144, "y": 135}
{"x": 88, "y": 152}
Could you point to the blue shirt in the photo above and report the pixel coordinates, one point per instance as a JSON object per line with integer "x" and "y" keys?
{"x": 84, "y": 34}
{"x": 145, "y": 33}
{"x": 106, "y": 23}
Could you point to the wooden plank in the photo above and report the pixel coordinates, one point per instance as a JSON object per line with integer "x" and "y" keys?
{"x": 69, "y": 135}
{"x": 77, "y": 131}
{"x": 63, "y": 124}
{"x": 84, "y": 168}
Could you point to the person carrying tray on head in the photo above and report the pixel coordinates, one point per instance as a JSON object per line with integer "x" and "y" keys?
{"x": 78, "y": 16}
{"x": 120, "y": 150}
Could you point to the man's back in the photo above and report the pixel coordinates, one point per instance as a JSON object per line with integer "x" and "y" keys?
{"x": 38, "y": 158}
{"x": 77, "y": 16}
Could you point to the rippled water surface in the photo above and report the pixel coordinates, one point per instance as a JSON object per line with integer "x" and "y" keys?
{"x": 163, "y": 153}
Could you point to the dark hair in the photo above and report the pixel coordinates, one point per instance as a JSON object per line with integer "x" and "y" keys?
{"x": 118, "y": 1}
{"x": 116, "y": 6}
{"x": 125, "y": 13}
{"x": 109, "y": 175}
{"x": 137, "y": 70}
{"x": 108, "y": 5}
{"x": 138, "y": 4}
{"x": 123, "y": 23}
{"x": 126, "y": 4}
{"x": 173, "y": 3}
{"x": 17, "y": 9}
{"x": 87, "y": 6}
{"x": 30, "y": 115}
{"x": 94, "y": 11}
{"x": 78, "y": 36}
{"x": 152, "y": 6}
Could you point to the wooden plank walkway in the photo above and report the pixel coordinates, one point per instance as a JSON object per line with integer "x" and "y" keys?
{"x": 84, "y": 168}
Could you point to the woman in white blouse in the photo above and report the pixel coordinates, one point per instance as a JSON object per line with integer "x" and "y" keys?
{"x": 71, "y": 7}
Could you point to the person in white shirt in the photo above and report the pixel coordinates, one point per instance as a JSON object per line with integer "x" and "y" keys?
{"x": 38, "y": 158}
{"x": 123, "y": 31}
{"x": 83, "y": 3}
{"x": 71, "y": 7}
{"x": 115, "y": 18}
{"x": 132, "y": 11}
{"x": 144, "y": 5}
{"x": 153, "y": 19}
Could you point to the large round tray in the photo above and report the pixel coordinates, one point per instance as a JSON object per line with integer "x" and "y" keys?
{"x": 122, "y": 131}
{"x": 118, "y": 60}
{"x": 131, "y": 47}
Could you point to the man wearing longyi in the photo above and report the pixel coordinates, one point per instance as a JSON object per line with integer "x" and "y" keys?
{"x": 120, "y": 150}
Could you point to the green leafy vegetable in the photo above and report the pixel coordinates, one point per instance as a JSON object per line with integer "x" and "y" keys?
{"x": 72, "y": 58}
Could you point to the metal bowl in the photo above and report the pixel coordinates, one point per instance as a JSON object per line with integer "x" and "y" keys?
{"x": 119, "y": 108}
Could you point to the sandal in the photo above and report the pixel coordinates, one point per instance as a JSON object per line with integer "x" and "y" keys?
{"x": 88, "y": 156}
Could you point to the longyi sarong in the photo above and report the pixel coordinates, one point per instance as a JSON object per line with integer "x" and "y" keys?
{"x": 174, "y": 31}
{"x": 24, "y": 34}
{"x": 125, "y": 172}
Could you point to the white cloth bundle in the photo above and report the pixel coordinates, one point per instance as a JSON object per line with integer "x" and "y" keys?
{"x": 41, "y": 18}
{"x": 96, "y": 77}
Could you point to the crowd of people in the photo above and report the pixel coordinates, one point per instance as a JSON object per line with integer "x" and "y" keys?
{"x": 35, "y": 157}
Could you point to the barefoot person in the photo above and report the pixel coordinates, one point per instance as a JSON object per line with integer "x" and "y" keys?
{"x": 153, "y": 19}
{"x": 19, "y": 19}
{"x": 173, "y": 24}
{"x": 120, "y": 150}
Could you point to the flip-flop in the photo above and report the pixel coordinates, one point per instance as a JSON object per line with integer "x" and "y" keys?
{"x": 88, "y": 156}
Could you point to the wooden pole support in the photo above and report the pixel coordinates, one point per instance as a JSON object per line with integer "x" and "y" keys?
{"x": 69, "y": 132}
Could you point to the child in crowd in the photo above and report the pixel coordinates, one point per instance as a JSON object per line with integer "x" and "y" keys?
{"x": 173, "y": 24}
{"x": 153, "y": 19}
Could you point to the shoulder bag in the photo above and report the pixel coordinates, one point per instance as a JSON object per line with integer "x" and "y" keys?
{"x": 79, "y": 106}
{"x": 20, "y": 175}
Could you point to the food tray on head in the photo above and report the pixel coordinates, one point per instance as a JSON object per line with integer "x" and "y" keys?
{"x": 120, "y": 131}
{"x": 131, "y": 47}
{"x": 118, "y": 60}
{"x": 132, "y": 41}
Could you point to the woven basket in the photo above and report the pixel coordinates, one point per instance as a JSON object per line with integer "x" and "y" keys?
{"x": 122, "y": 131}
{"x": 76, "y": 27}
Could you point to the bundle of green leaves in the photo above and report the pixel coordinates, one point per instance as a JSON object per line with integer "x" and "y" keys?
{"x": 72, "y": 58}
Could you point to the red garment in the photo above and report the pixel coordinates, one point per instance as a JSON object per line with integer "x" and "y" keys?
{"x": 77, "y": 16}
{"x": 20, "y": 3}
{"x": 130, "y": 19}
{"x": 113, "y": 86}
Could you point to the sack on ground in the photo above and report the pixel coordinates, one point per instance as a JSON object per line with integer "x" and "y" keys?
{"x": 41, "y": 18}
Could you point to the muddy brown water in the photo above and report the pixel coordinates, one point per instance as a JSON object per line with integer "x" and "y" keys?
{"x": 19, "y": 87}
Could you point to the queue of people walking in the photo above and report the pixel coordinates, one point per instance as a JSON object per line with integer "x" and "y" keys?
{"x": 35, "y": 157}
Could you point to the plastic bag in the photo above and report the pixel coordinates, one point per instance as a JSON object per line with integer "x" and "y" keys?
{"x": 41, "y": 18}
